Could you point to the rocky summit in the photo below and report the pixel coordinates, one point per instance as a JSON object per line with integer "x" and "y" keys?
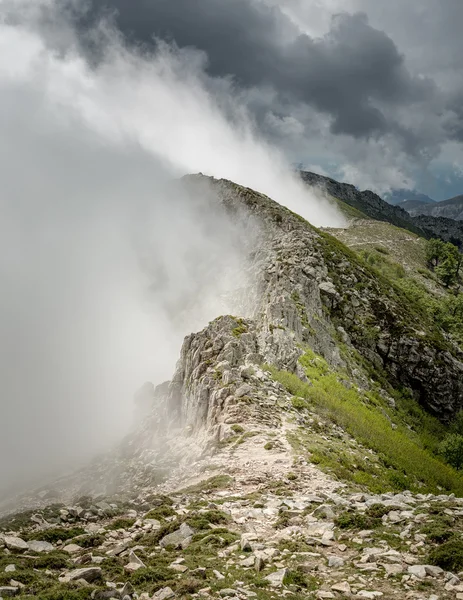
{"x": 302, "y": 449}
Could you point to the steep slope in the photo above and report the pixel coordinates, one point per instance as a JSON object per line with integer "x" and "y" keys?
{"x": 371, "y": 205}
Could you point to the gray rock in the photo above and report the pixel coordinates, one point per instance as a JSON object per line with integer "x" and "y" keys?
{"x": 335, "y": 561}
{"x": 417, "y": 570}
{"x": 10, "y": 568}
{"x": 15, "y": 543}
{"x": 88, "y": 574}
{"x": 164, "y": 594}
{"x": 38, "y": 546}
{"x": 433, "y": 571}
{"x": 177, "y": 537}
{"x": 276, "y": 578}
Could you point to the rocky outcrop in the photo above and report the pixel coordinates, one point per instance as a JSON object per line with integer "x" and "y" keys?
{"x": 306, "y": 289}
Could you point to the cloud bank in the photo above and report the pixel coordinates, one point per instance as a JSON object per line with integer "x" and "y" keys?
{"x": 107, "y": 261}
{"x": 366, "y": 86}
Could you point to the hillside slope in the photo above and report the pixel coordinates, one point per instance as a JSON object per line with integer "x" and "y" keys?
{"x": 290, "y": 454}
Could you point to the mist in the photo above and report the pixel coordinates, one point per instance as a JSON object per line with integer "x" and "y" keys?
{"x": 106, "y": 260}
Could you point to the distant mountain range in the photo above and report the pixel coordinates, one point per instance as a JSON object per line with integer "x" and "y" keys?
{"x": 400, "y": 196}
{"x": 417, "y": 204}
{"x": 370, "y": 205}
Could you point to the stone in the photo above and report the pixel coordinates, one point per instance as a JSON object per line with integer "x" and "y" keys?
{"x": 433, "y": 571}
{"x": 72, "y": 548}
{"x": 323, "y": 595}
{"x": 15, "y": 543}
{"x": 132, "y": 567}
{"x": 418, "y": 571}
{"x": 343, "y": 587}
{"x": 369, "y": 595}
{"x": 88, "y": 574}
{"x": 276, "y": 578}
{"x": 164, "y": 594}
{"x": 335, "y": 561}
{"x": 10, "y": 568}
{"x": 133, "y": 558}
{"x": 177, "y": 537}
{"x": 38, "y": 546}
{"x": 227, "y": 592}
{"x": 248, "y": 562}
{"x": 243, "y": 390}
{"x": 218, "y": 575}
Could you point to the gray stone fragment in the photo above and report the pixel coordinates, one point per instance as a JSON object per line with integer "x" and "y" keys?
{"x": 38, "y": 546}
{"x": 177, "y": 537}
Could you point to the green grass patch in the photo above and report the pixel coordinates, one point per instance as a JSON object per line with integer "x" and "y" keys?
{"x": 366, "y": 420}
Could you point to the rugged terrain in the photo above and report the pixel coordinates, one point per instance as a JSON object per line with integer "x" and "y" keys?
{"x": 451, "y": 209}
{"x": 294, "y": 452}
{"x": 428, "y": 222}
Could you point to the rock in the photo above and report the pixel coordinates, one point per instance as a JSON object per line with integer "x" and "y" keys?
{"x": 15, "y": 543}
{"x": 342, "y": 587}
{"x": 245, "y": 544}
{"x": 259, "y": 563}
{"x": 243, "y": 390}
{"x": 370, "y": 595}
{"x": 72, "y": 548}
{"x": 164, "y": 594}
{"x": 133, "y": 558}
{"x": 433, "y": 571}
{"x": 335, "y": 561}
{"x": 132, "y": 567}
{"x": 418, "y": 571}
{"x": 228, "y": 592}
{"x": 88, "y": 574}
{"x": 177, "y": 537}
{"x": 393, "y": 569}
{"x": 323, "y": 595}
{"x": 218, "y": 575}
{"x": 118, "y": 549}
{"x": 276, "y": 578}
{"x": 178, "y": 568}
{"x": 10, "y": 568}
{"x": 38, "y": 546}
{"x": 153, "y": 523}
{"x": 8, "y": 591}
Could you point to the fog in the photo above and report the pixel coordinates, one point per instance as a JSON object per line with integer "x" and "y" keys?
{"x": 106, "y": 261}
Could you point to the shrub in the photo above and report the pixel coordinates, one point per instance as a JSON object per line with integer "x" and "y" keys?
{"x": 448, "y": 556}
{"x": 451, "y": 449}
{"x": 54, "y": 534}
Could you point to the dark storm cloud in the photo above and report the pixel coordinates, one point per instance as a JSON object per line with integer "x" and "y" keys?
{"x": 354, "y": 73}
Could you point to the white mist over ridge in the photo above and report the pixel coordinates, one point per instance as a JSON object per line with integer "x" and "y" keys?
{"x": 105, "y": 263}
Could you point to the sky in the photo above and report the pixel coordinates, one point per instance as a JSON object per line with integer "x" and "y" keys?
{"x": 106, "y": 259}
{"x": 368, "y": 92}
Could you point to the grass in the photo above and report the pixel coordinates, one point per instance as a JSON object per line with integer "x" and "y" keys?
{"x": 364, "y": 417}
{"x": 54, "y": 534}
